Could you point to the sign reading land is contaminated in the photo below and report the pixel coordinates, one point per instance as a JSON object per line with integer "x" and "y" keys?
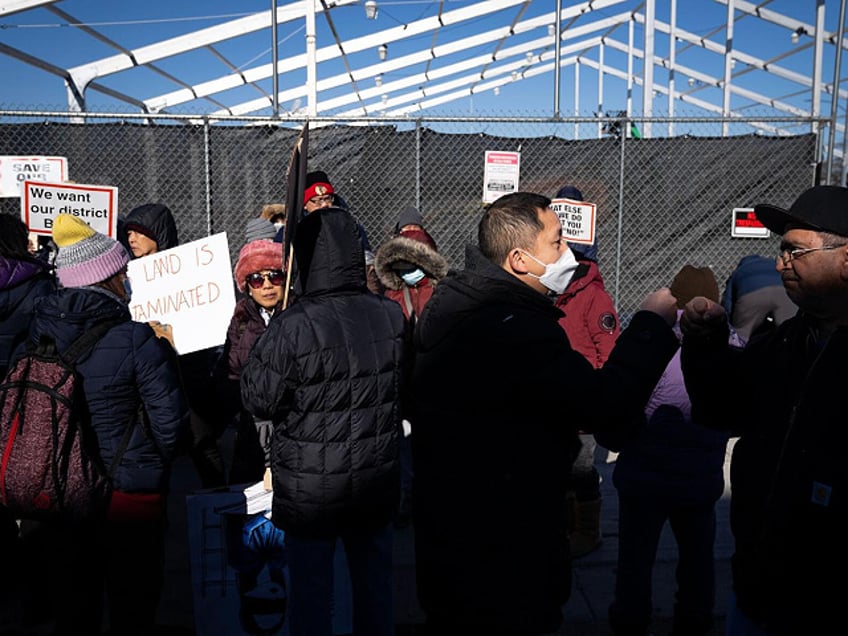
{"x": 42, "y": 202}
{"x": 577, "y": 218}
{"x": 189, "y": 287}
{"x": 15, "y": 170}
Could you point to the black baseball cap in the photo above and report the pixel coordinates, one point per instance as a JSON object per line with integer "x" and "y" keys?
{"x": 822, "y": 208}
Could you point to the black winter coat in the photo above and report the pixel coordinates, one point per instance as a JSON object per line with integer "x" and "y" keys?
{"x": 128, "y": 366}
{"x": 22, "y": 282}
{"x": 789, "y": 506}
{"x": 327, "y": 372}
{"x": 499, "y": 396}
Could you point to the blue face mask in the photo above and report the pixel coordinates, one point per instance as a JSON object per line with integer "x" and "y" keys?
{"x": 411, "y": 278}
{"x": 127, "y": 288}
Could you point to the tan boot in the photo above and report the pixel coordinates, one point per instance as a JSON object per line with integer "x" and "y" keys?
{"x": 587, "y": 528}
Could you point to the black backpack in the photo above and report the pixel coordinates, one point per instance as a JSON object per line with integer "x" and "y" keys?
{"x": 50, "y": 466}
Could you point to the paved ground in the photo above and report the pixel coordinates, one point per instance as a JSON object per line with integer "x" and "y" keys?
{"x": 585, "y": 613}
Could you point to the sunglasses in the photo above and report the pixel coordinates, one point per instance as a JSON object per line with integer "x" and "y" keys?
{"x": 257, "y": 280}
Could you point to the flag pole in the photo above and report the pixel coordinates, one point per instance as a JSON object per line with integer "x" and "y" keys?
{"x": 295, "y": 185}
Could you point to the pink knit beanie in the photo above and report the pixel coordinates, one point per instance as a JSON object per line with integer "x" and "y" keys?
{"x": 256, "y": 256}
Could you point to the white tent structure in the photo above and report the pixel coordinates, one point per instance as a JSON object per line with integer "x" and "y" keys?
{"x": 356, "y": 58}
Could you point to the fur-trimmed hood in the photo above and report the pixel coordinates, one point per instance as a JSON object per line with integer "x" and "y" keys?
{"x": 410, "y": 251}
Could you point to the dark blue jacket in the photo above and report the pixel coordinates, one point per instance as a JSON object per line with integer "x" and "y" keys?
{"x": 22, "y": 282}
{"x": 127, "y": 368}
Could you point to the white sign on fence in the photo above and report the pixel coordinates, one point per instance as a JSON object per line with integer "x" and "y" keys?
{"x": 15, "y": 170}
{"x": 501, "y": 174}
{"x": 746, "y": 225}
{"x": 578, "y": 220}
{"x": 189, "y": 287}
{"x": 42, "y": 202}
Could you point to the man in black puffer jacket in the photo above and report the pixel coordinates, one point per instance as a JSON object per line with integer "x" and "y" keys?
{"x": 499, "y": 396}
{"x": 327, "y": 373}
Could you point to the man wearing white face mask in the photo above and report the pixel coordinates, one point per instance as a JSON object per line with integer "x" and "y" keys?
{"x": 498, "y": 396}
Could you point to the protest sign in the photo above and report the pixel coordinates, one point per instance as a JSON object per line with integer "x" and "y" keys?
{"x": 577, "y": 219}
{"x": 42, "y": 202}
{"x": 189, "y": 287}
{"x": 15, "y": 170}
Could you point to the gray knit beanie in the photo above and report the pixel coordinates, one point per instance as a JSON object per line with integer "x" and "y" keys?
{"x": 259, "y": 228}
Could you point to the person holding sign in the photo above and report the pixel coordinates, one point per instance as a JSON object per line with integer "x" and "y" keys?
{"x": 151, "y": 228}
{"x": 498, "y": 396}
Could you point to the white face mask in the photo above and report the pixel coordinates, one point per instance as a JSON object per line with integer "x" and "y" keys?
{"x": 557, "y": 274}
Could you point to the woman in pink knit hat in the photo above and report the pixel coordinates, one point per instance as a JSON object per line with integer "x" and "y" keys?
{"x": 260, "y": 276}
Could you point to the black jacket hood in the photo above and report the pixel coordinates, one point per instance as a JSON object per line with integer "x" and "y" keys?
{"x": 156, "y": 221}
{"x": 329, "y": 252}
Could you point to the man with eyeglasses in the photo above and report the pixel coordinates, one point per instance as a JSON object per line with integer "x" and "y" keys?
{"x": 782, "y": 395}
{"x": 319, "y": 193}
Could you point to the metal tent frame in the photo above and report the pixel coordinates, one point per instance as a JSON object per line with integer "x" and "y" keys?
{"x": 655, "y": 57}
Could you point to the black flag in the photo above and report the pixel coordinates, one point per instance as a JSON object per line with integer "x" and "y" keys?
{"x": 295, "y": 185}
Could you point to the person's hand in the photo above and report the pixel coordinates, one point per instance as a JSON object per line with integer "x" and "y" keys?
{"x": 163, "y": 330}
{"x": 701, "y": 316}
{"x": 662, "y": 303}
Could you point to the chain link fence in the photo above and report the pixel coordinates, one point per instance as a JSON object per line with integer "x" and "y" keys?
{"x": 663, "y": 200}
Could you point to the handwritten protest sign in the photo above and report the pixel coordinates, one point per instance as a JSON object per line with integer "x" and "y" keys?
{"x": 577, "y": 219}
{"x": 189, "y": 287}
{"x": 42, "y": 202}
{"x": 15, "y": 170}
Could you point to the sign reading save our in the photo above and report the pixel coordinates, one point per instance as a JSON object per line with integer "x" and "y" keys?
{"x": 14, "y": 170}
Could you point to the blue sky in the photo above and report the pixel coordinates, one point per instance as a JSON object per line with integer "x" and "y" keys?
{"x": 44, "y": 34}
